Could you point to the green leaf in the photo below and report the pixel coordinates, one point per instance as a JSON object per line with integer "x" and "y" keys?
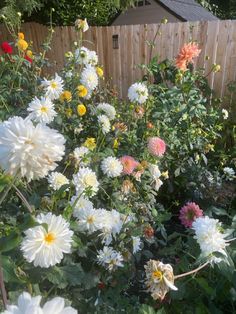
{"x": 10, "y": 242}
{"x": 9, "y": 267}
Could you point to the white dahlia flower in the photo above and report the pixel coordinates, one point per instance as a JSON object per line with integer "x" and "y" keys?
{"x": 89, "y": 220}
{"x": 57, "y": 306}
{"x": 85, "y": 180}
{"x": 108, "y": 110}
{"x": 43, "y": 247}
{"x": 25, "y": 305}
{"x": 104, "y": 123}
{"x": 112, "y": 167}
{"x": 31, "y": 305}
{"x": 89, "y": 78}
{"x": 109, "y": 258}
{"x": 80, "y": 203}
{"x": 209, "y": 237}
{"x": 225, "y": 114}
{"x": 41, "y": 110}
{"x": 80, "y": 153}
{"x": 53, "y": 88}
{"x": 229, "y": 173}
{"x": 56, "y": 180}
{"x": 82, "y": 55}
{"x": 138, "y": 92}
{"x": 32, "y": 151}
{"x": 136, "y": 244}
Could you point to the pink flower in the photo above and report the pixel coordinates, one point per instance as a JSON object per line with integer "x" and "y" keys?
{"x": 156, "y": 146}
{"x": 186, "y": 55}
{"x": 188, "y": 213}
{"x": 129, "y": 164}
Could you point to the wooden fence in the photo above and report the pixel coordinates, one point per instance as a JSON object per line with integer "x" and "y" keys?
{"x": 122, "y": 48}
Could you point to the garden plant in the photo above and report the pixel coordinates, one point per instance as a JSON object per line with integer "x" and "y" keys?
{"x": 110, "y": 205}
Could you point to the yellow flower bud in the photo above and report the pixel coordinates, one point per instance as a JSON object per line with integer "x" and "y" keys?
{"x": 90, "y": 143}
{"x": 21, "y": 36}
{"x": 69, "y": 112}
{"x": 29, "y": 53}
{"x": 66, "y": 96}
{"x": 216, "y": 68}
{"x": 165, "y": 174}
{"x": 82, "y": 91}
{"x": 164, "y": 21}
{"x": 99, "y": 71}
{"x": 116, "y": 143}
{"x": 81, "y": 110}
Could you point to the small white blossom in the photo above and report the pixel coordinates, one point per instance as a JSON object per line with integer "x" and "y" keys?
{"x": 53, "y": 88}
{"x": 56, "y": 180}
{"x": 138, "y": 92}
{"x": 89, "y": 219}
{"x": 104, "y": 123}
{"x": 225, "y": 114}
{"x": 229, "y": 173}
{"x": 109, "y": 258}
{"x": 86, "y": 181}
{"x": 108, "y": 110}
{"x": 112, "y": 167}
{"x": 136, "y": 244}
{"x": 80, "y": 154}
{"x": 80, "y": 203}
{"x": 41, "y": 110}
{"x": 89, "y": 78}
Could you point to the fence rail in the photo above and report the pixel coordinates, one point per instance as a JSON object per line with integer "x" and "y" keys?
{"x": 122, "y": 48}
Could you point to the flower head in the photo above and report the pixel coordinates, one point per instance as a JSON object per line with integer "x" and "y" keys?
{"x": 109, "y": 258}
{"x": 57, "y": 306}
{"x": 225, "y": 114}
{"x": 90, "y": 143}
{"x": 56, "y": 180}
{"x": 89, "y": 77}
{"x": 229, "y": 173}
{"x": 82, "y": 91}
{"x": 80, "y": 153}
{"x": 104, "y": 123}
{"x": 136, "y": 244}
{"x": 66, "y": 96}
{"x": 112, "y": 167}
{"x": 81, "y": 25}
{"x": 138, "y": 92}
{"x": 80, "y": 203}
{"x": 159, "y": 279}
{"x": 209, "y": 237}
{"x": 43, "y": 247}
{"x": 89, "y": 219}
{"x": 22, "y": 44}
{"x": 156, "y": 146}
{"x": 85, "y": 181}
{"x": 6, "y": 47}
{"x": 54, "y": 87}
{"x": 108, "y": 110}
{"x": 81, "y": 110}
{"x": 186, "y": 55}
{"x": 41, "y": 110}
{"x": 32, "y": 151}
{"x": 189, "y": 213}
{"x": 99, "y": 71}
{"x": 129, "y": 164}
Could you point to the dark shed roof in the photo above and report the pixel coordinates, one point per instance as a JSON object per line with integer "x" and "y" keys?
{"x": 187, "y": 10}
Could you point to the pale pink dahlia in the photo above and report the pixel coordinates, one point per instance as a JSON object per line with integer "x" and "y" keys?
{"x": 156, "y": 146}
{"x": 188, "y": 213}
{"x": 129, "y": 164}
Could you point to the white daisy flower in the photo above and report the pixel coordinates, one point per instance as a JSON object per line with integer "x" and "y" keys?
{"x": 225, "y": 114}
{"x": 32, "y": 151}
{"x": 209, "y": 237}
{"x": 112, "y": 167}
{"x": 57, "y": 306}
{"x": 53, "y": 88}
{"x": 80, "y": 154}
{"x": 56, "y": 180}
{"x": 86, "y": 181}
{"x": 104, "y": 123}
{"x": 136, "y": 244}
{"x": 89, "y": 220}
{"x": 108, "y": 110}
{"x": 41, "y": 110}
{"x": 138, "y": 92}
{"x": 229, "y": 173}
{"x": 109, "y": 258}
{"x": 89, "y": 78}
{"x": 43, "y": 247}
{"x": 26, "y": 305}
{"x": 82, "y": 55}
{"x": 79, "y": 203}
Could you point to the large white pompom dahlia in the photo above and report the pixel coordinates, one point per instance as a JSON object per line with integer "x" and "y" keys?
{"x": 32, "y": 151}
{"x": 112, "y": 167}
{"x": 43, "y": 247}
{"x": 138, "y": 92}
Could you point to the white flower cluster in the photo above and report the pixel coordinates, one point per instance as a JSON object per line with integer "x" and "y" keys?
{"x": 109, "y": 258}
{"x": 31, "y": 305}
{"x": 209, "y": 238}
{"x": 107, "y": 109}
{"x": 112, "y": 167}
{"x": 138, "y": 92}
{"x": 27, "y": 150}
{"x": 155, "y": 173}
{"x": 85, "y": 56}
{"x": 45, "y": 246}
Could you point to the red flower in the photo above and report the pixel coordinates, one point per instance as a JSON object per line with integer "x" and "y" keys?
{"x": 28, "y": 59}
{"x": 6, "y": 47}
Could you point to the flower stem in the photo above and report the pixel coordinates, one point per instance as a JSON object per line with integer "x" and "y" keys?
{"x": 2, "y": 287}
{"x": 192, "y": 271}
{"x": 21, "y": 196}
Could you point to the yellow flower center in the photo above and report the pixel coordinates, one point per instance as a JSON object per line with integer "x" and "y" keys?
{"x": 44, "y": 109}
{"x": 157, "y": 275}
{"x": 90, "y": 219}
{"x": 49, "y": 238}
{"x": 53, "y": 85}
{"x": 89, "y": 180}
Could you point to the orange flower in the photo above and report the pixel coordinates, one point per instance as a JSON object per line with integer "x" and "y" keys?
{"x": 186, "y": 55}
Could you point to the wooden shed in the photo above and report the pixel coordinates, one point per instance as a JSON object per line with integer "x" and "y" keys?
{"x": 153, "y": 11}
